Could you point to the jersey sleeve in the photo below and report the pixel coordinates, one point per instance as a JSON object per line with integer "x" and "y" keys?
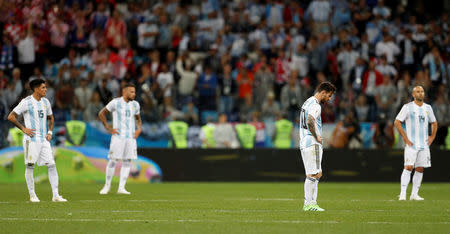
{"x": 137, "y": 109}
{"x": 315, "y": 111}
{"x": 20, "y": 108}
{"x": 431, "y": 116}
{"x": 48, "y": 107}
{"x": 111, "y": 106}
{"x": 403, "y": 113}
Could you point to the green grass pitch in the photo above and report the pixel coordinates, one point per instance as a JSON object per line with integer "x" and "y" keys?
{"x": 225, "y": 208}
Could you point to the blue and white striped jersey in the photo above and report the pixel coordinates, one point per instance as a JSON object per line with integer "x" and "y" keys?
{"x": 416, "y": 120}
{"x": 313, "y": 108}
{"x": 35, "y": 116}
{"x": 124, "y": 116}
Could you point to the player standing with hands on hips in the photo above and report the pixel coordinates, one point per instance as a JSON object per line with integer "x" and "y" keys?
{"x": 311, "y": 142}
{"x": 126, "y": 117}
{"x": 416, "y": 115}
{"x": 37, "y": 113}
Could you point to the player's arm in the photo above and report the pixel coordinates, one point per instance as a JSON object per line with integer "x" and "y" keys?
{"x": 51, "y": 123}
{"x": 138, "y": 125}
{"x": 398, "y": 125}
{"x": 12, "y": 117}
{"x": 434, "y": 127}
{"x": 102, "y": 117}
{"x": 312, "y": 128}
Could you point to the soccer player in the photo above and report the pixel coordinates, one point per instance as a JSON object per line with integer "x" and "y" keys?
{"x": 311, "y": 142}
{"x": 37, "y": 113}
{"x": 125, "y": 111}
{"x": 416, "y": 115}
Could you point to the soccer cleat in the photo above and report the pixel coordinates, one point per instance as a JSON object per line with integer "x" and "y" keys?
{"x": 105, "y": 190}
{"x": 123, "y": 191}
{"x": 58, "y": 198}
{"x": 312, "y": 207}
{"x": 416, "y": 197}
{"x": 34, "y": 198}
{"x": 402, "y": 197}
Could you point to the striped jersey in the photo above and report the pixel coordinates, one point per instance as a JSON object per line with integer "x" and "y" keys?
{"x": 124, "y": 116}
{"x": 416, "y": 119}
{"x": 313, "y": 108}
{"x": 35, "y": 116}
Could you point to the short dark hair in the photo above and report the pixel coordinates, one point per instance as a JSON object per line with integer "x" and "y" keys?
{"x": 128, "y": 85}
{"x": 326, "y": 86}
{"x": 36, "y": 83}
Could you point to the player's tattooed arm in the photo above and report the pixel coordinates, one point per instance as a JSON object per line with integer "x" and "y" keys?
{"x": 51, "y": 123}
{"x": 102, "y": 117}
{"x": 138, "y": 125}
{"x": 12, "y": 117}
{"x": 310, "y": 121}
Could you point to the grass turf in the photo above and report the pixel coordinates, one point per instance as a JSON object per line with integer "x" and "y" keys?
{"x": 225, "y": 208}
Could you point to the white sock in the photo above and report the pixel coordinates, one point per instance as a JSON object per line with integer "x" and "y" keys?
{"x": 53, "y": 178}
{"x": 417, "y": 180}
{"x": 29, "y": 177}
{"x": 124, "y": 172}
{"x": 404, "y": 181}
{"x": 309, "y": 190}
{"x": 316, "y": 189}
{"x": 110, "y": 168}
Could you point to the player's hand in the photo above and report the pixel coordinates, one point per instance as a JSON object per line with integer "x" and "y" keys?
{"x": 430, "y": 140}
{"x": 29, "y": 132}
{"x": 408, "y": 142}
{"x": 48, "y": 137}
{"x": 137, "y": 133}
{"x": 319, "y": 139}
{"x": 113, "y": 131}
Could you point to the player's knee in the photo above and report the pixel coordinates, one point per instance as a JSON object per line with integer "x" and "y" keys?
{"x": 112, "y": 163}
{"x": 30, "y": 165}
{"x": 126, "y": 162}
{"x": 49, "y": 166}
{"x": 409, "y": 168}
{"x": 419, "y": 169}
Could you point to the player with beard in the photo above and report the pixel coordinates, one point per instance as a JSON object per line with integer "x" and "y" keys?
{"x": 311, "y": 142}
{"x": 416, "y": 116}
{"x": 125, "y": 130}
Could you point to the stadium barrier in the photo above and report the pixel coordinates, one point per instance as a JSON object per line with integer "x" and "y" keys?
{"x": 286, "y": 165}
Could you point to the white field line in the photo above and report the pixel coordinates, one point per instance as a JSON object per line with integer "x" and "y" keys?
{"x": 8, "y": 219}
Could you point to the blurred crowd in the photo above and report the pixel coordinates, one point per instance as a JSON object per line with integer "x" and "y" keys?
{"x": 249, "y": 59}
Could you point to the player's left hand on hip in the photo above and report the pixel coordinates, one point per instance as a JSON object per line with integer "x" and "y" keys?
{"x": 49, "y": 137}
{"x": 136, "y": 134}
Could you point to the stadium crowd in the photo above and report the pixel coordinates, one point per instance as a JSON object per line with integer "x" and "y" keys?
{"x": 253, "y": 60}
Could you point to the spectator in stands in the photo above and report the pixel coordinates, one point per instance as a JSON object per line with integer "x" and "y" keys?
{"x": 58, "y": 38}
{"x": 190, "y": 113}
{"x": 165, "y": 82}
{"x": 147, "y": 33}
{"x": 188, "y": 78}
{"x": 291, "y": 97}
{"x": 83, "y": 94}
{"x": 385, "y": 97}
{"x": 102, "y": 90}
{"x": 206, "y": 85}
{"x": 26, "y": 52}
{"x": 115, "y": 30}
{"x": 3, "y": 79}
{"x": 93, "y": 107}
{"x": 345, "y": 130}
{"x": 224, "y": 134}
{"x": 361, "y": 108}
{"x": 264, "y": 80}
{"x": 319, "y": 14}
{"x": 227, "y": 91}
{"x": 7, "y": 54}
{"x": 246, "y": 109}
{"x": 245, "y": 80}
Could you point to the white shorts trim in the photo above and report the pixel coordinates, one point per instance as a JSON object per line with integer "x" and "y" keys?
{"x": 417, "y": 158}
{"x": 39, "y": 153}
{"x": 312, "y": 159}
{"x": 122, "y": 148}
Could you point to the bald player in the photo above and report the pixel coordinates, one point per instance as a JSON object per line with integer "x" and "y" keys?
{"x": 415, "y": 116}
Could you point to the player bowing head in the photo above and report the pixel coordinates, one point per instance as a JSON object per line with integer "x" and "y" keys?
{"x": 311, "y": 142}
